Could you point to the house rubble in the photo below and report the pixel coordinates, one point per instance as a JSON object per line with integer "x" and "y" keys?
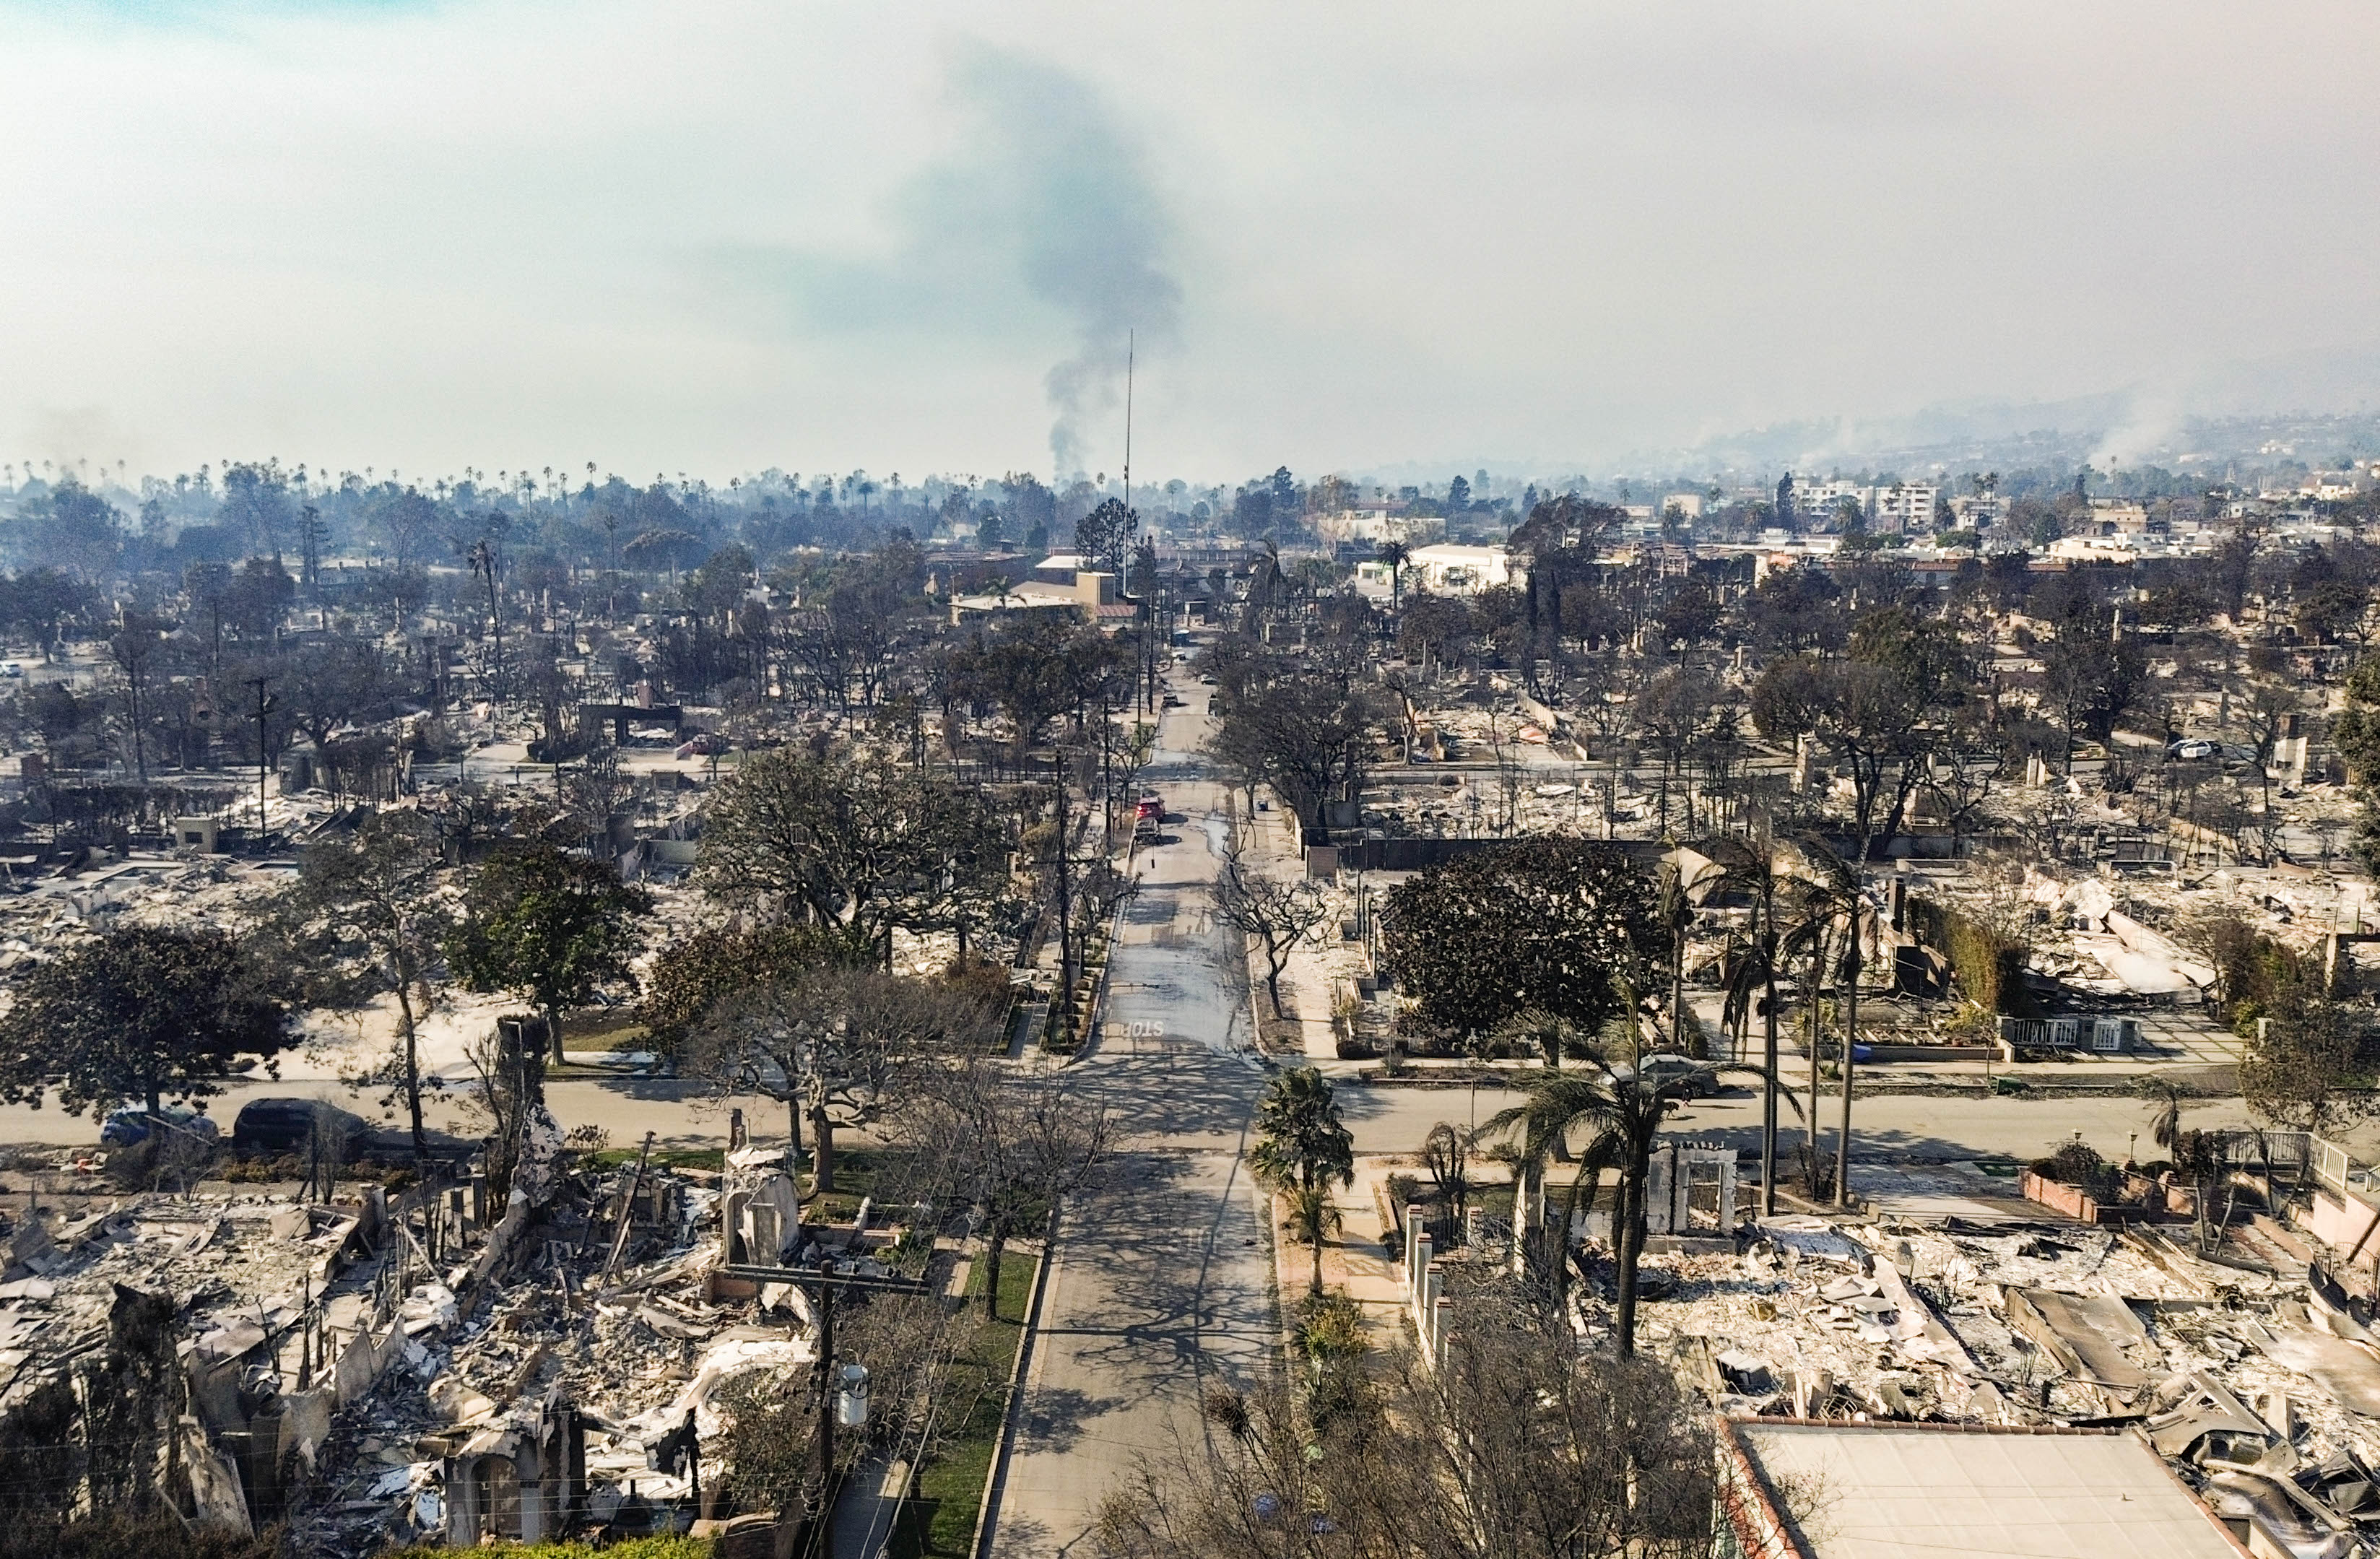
{"x": 432, "y": 1368}
{"x": 2241, "y": 1378}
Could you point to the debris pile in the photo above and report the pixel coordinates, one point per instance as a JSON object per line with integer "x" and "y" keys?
{"x": 439, "y": 1366}
{"x": 2262, "y": 1389}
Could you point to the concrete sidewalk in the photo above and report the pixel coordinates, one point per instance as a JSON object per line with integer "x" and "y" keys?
{"x": 1354, "y": 1263}
{"x": 1315, "y": 966}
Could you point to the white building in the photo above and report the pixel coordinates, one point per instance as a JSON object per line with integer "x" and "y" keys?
{"x": 1452, "y": 569}
{"x": 1377, "y": 525}
{"x": 1824, "y": 500}
{"x": 1687, "y": 504}
{"x": 1904, "y": 507}
{"x": 2094, "y": 549}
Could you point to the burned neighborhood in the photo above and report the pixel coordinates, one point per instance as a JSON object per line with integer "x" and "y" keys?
{"x": 1557, "y": 783}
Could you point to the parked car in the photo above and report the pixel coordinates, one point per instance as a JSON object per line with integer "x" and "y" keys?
{"x": 271, "y": 1128}
{"x": 12, "y": 668}
{"x": 2194, "y": 748}
{"x": 1699, "y": 1081}
{"x": 125, "y": 1127}
{"x": 284, "y": 1126}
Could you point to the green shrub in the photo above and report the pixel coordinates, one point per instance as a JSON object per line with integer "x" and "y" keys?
{"x": 155, "y": 1533}
{"x": 635, "y": 1548}
{"x": 1987, "y": 963}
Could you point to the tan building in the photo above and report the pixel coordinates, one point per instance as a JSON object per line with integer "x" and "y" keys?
{"x": 1092, "y": 597}
{"x": 1377, "y": 524}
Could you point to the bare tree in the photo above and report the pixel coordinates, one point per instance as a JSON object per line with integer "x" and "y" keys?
{"x": 1279, "y": 914}
{"x": 838, "y": 1045}
{"x": 1010, "y": 1146}
{"x": 1512, "y": 1447}
{"x": 375, "y": 893}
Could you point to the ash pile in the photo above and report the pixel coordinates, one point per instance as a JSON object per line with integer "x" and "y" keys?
{"x": 2261, "y": 1388}
{"x": 442, "y": 1367}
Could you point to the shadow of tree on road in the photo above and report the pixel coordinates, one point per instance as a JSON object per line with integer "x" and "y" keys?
{"x": 1054, "y": 1417}
{"x": 1169, "y": 1278}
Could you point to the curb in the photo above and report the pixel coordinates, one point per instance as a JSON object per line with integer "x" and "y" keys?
{"x": 996, "y": 1476}
{"x": 1097, "y": 1014}
{"x": 1284, "y": 1310}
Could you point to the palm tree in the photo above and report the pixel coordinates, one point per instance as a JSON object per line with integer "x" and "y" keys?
{"x": 1396, "y": 555}
{"x": 1304, "y": 1148}
{"x": 1687, "y": 879}
{"x": 1832, "y": 915}
{"x": 1752, "y": 986}
{"x": 1625, "y": 1114}
{"x": 1313, "y": 1217}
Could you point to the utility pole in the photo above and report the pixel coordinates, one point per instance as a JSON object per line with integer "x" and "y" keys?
{"x": 265, "y": 705}
{"x": 488, "y": 564}
{"x": 842, "y": 1393}
{"x": 1123, "y": 585}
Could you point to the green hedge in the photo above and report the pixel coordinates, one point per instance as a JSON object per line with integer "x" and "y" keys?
{"x": 1988, "y": 966}
{"x": 635, "y": 1548}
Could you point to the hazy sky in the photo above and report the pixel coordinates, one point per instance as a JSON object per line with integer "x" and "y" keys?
{"x": 713, "y": 235}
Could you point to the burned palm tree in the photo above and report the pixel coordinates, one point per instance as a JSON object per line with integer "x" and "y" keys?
{"x": 1751, "y": 989}
{"x": 1623, "y": 1110}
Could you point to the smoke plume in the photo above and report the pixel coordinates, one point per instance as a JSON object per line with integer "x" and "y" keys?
{"x": 1092, "y": 231}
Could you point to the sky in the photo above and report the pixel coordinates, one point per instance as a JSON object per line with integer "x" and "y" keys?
{"x": 828, "y": 235}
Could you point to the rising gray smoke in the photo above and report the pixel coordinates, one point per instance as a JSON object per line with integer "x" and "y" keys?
{"x": 1042, "y": 205}
{"x": 1092, "y": 231}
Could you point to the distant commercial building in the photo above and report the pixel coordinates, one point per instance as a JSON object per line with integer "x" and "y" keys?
{"x": 1825, "y": 500}
{"x": 2119, "y": 516}
{"x": 1895, "y": 507}
{"x": 1452, "y": 569}
{"x": 1901, "y": 508}
{"x": 2095, "y": 549}
{"x": 1978, "y": 511}
{"x": 1377, "y": 523}
{"x": 1091, "y": 597}
{"x": 1690, "y": 505}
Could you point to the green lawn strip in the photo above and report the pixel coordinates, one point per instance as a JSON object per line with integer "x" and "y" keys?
{"x": 939, "y": 1521}
{"x": 881, "y": 1172}
{"x": 617, "y": 1028}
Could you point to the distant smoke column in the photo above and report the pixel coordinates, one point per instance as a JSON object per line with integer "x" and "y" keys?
{"x": 1109, "y": 273}
{"x": 1094, "y": 230}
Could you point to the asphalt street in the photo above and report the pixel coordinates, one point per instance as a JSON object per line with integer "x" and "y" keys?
{"x": 1384, "y": 1119}
{"x": 1893, "y": 1127}
{"x": 1161, "y": 1285}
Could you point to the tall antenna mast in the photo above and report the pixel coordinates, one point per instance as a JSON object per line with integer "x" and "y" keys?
{"x": 1130, "y": 342}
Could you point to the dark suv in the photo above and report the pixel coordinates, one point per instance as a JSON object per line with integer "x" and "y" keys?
{"x": 272, "y": 1128}
{"x": 284, "y": 1126}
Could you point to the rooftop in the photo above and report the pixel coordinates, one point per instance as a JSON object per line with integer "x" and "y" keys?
{"x": 1909, "y": 1492}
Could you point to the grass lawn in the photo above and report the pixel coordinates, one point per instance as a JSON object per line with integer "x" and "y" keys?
{"x": 635, "y": 1548}
{"x": 603, "y": 1028}
{"x": 937, "y": 1523}
{"x": 877, "y": 1172}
